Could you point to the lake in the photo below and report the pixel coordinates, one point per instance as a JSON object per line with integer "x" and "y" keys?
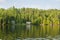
{"x": 29, "y": 32}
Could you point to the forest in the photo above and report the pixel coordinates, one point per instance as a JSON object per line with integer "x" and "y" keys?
{"x": 33, "y": 15}
{"x": 44, "y": 22}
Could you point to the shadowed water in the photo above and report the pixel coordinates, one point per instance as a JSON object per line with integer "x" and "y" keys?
{"x": 29, "y": 32}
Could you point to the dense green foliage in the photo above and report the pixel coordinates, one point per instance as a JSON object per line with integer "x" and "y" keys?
{"x": 35, "y": 16}
{"x": 48, "y": 21}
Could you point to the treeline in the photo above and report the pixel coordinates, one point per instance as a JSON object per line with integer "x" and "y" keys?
{"x": 33, "y": 15}
{"x": 49, "y": 21}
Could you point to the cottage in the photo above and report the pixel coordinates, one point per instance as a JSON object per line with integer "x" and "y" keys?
{"x": 28, "y": 23}
{"x": 13, "y": 25}
{"x": 13, "y": 22}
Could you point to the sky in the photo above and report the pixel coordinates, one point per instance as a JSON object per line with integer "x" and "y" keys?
{"x": 40, "y": 4}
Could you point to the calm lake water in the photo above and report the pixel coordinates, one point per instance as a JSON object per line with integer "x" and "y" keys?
{"x": 29, "y": 32}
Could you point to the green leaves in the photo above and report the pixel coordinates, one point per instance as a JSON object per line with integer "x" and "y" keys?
{"x": 22, "y": 15}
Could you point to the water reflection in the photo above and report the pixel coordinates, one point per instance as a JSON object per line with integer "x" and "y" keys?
{"x": 29, "y": 32}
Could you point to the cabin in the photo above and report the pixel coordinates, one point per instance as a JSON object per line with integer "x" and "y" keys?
{"x": 13, "y": 22}
{"x": 28, "y": 23}
{"x": 13, "y": 25}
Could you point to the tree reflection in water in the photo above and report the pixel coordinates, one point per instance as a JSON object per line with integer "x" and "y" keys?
{"x": 33, "y": 31}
